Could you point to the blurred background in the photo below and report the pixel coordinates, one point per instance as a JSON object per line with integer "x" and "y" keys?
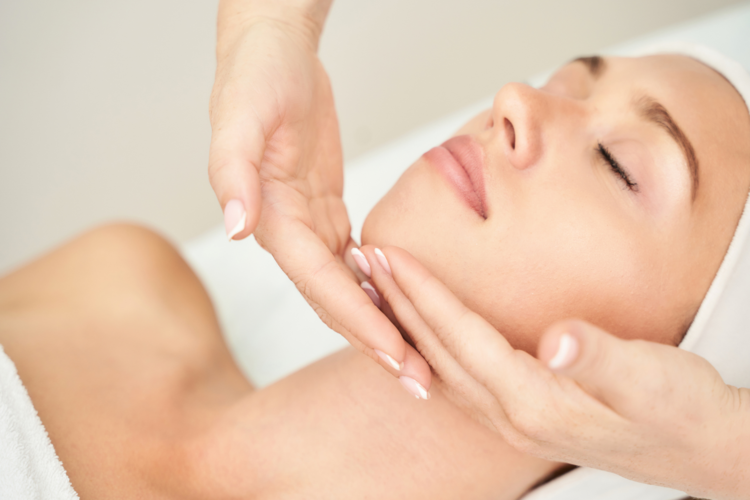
{"x": 103, "y": 105}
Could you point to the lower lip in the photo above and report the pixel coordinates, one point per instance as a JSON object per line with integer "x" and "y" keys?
{"x": 470, "y": 188}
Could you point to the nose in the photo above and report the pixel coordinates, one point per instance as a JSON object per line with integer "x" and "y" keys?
{"x": 519, "y": 113}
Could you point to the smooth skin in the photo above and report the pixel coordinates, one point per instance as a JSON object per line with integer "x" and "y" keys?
{"x": 234, "y": 22}
{"x": 565, "y": 236}
{"x": 119, "y": 348}
{"x": 590, "y": 411}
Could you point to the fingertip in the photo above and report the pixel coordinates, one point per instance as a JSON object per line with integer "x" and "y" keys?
{"x": 414, "y": 388}
{"x": 361, "y": 261}
{"x": 239, "y": 222}
{"x": 236, "y": 183}
{"x": 566, "y": 353}
{"x": 400, "y": 262}
{"x": 416, "y": 368}
{"x": 383, "y": 260}
{"x": 392, "y": 252}
{"x": 560, "y": 345}
{"x": 388, "y": 359}
{"x": 235, "y": 218}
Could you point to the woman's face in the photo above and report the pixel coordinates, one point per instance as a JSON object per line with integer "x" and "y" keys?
{"x": 610, "y": 194}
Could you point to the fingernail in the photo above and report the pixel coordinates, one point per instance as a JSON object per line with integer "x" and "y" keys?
{"x": 361, "y": 261}
{"x": 567, "y": 352}
{"x": 383, "y": 261}
{"x": 392, "y": 362}
{"x": 414, "y": 388}
{"x": 234, "y": 218}
{"x": 370, "y": 291}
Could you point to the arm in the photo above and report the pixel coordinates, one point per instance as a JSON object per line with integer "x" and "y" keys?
{"x": 275, "y": 165}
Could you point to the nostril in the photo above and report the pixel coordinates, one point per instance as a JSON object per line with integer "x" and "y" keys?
{"x": 511, "y": 133}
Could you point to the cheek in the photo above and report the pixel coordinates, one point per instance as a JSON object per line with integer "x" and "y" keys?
{"x": 544, "y": 258}
{"x": 557, "y": 264}
{"x": 422, "y": 215}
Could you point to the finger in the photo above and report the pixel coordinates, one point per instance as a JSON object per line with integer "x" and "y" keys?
{"x": 351, "y": 261}
{"x": 535, "y": 408}
{"x": 475, "y": 344}
{"x": 326, "y": 283}
{"x": 464, "y": 390}
{"x": 415, "y": 376}
{"x": 615, "y": 371}
{"x": 234, "y": 161}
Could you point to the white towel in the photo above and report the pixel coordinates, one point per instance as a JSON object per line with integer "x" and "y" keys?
{"x": 29, "y": 466}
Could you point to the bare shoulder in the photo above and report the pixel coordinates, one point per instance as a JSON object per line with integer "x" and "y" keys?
{"x": 116, "y": 341}
{"x": 118, "y": 276}
{"x": 121, "y": 262}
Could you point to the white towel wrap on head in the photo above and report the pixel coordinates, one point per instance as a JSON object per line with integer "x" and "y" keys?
{"x": 721, "y": 329}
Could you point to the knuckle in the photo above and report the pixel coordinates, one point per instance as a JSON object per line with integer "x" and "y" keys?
{"x": 522, "y": 443}
{"x": 216, "y": 165}
{"x": 529, "y": 424}
{"x": 308, "y": 283}
{"x": 464, "y": 320}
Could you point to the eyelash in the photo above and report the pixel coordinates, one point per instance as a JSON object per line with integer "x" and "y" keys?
{"x": 616, "y": 168}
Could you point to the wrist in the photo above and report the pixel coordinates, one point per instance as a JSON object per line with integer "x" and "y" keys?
{"x": 726, "y": 468}
{"x": 301, "y": 18}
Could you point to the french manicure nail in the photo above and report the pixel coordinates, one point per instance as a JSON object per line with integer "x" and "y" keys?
{"x": 235, "y": 218}
{"x": 392, "y": 362}
{"x": 414, "y": 388}
{"x": 361, "y": 261}
{"x": 370, "y": 291}
{"x": 383, "y": 261}
{"x": 567, "y": 352}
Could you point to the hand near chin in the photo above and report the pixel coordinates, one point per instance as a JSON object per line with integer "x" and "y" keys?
{"x": 646, "y": 411}
{"x": 276, "y": 166}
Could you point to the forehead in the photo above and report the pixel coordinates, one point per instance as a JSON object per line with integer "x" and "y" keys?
{"x": 708, "y": 108}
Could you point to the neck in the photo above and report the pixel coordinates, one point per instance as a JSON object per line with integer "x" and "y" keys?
{"x": 344, "y": 426}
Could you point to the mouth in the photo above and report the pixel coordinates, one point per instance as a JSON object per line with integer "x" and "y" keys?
{"x": 461, "y": 162}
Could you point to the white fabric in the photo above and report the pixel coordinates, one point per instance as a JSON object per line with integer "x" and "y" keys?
{"x": 272, "y": 331}
{"x": 29, "y": 467}
{"x": 591, "y": 484}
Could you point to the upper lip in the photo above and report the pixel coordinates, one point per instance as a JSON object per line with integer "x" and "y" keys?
{"x": 470, "y": 155}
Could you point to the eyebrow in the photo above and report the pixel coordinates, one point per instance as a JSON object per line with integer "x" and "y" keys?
{"x": 653, "y": 111}
{"x": 595, "y": 64}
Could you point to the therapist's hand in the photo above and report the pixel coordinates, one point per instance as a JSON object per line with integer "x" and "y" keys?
{"x": 646, "y": 411}
{"x": 275, "y": 164}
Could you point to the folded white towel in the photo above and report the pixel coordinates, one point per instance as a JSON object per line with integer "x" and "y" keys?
{"x": 29, "y": 466}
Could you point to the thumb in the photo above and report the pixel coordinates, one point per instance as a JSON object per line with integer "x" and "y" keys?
{"x": 606, "y": 367}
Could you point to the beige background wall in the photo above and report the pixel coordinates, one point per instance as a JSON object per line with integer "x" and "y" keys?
{"x": 103, "y": 105}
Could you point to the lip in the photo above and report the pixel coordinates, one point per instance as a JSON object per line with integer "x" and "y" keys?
{"x": 461, "y": 162}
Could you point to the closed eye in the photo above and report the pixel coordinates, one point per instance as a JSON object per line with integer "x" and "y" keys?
{"x": 616, "y": 168}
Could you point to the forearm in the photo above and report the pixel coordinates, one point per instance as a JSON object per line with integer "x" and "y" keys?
{"x": 730, "y": 468}
{"x": 304, "y": 16}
